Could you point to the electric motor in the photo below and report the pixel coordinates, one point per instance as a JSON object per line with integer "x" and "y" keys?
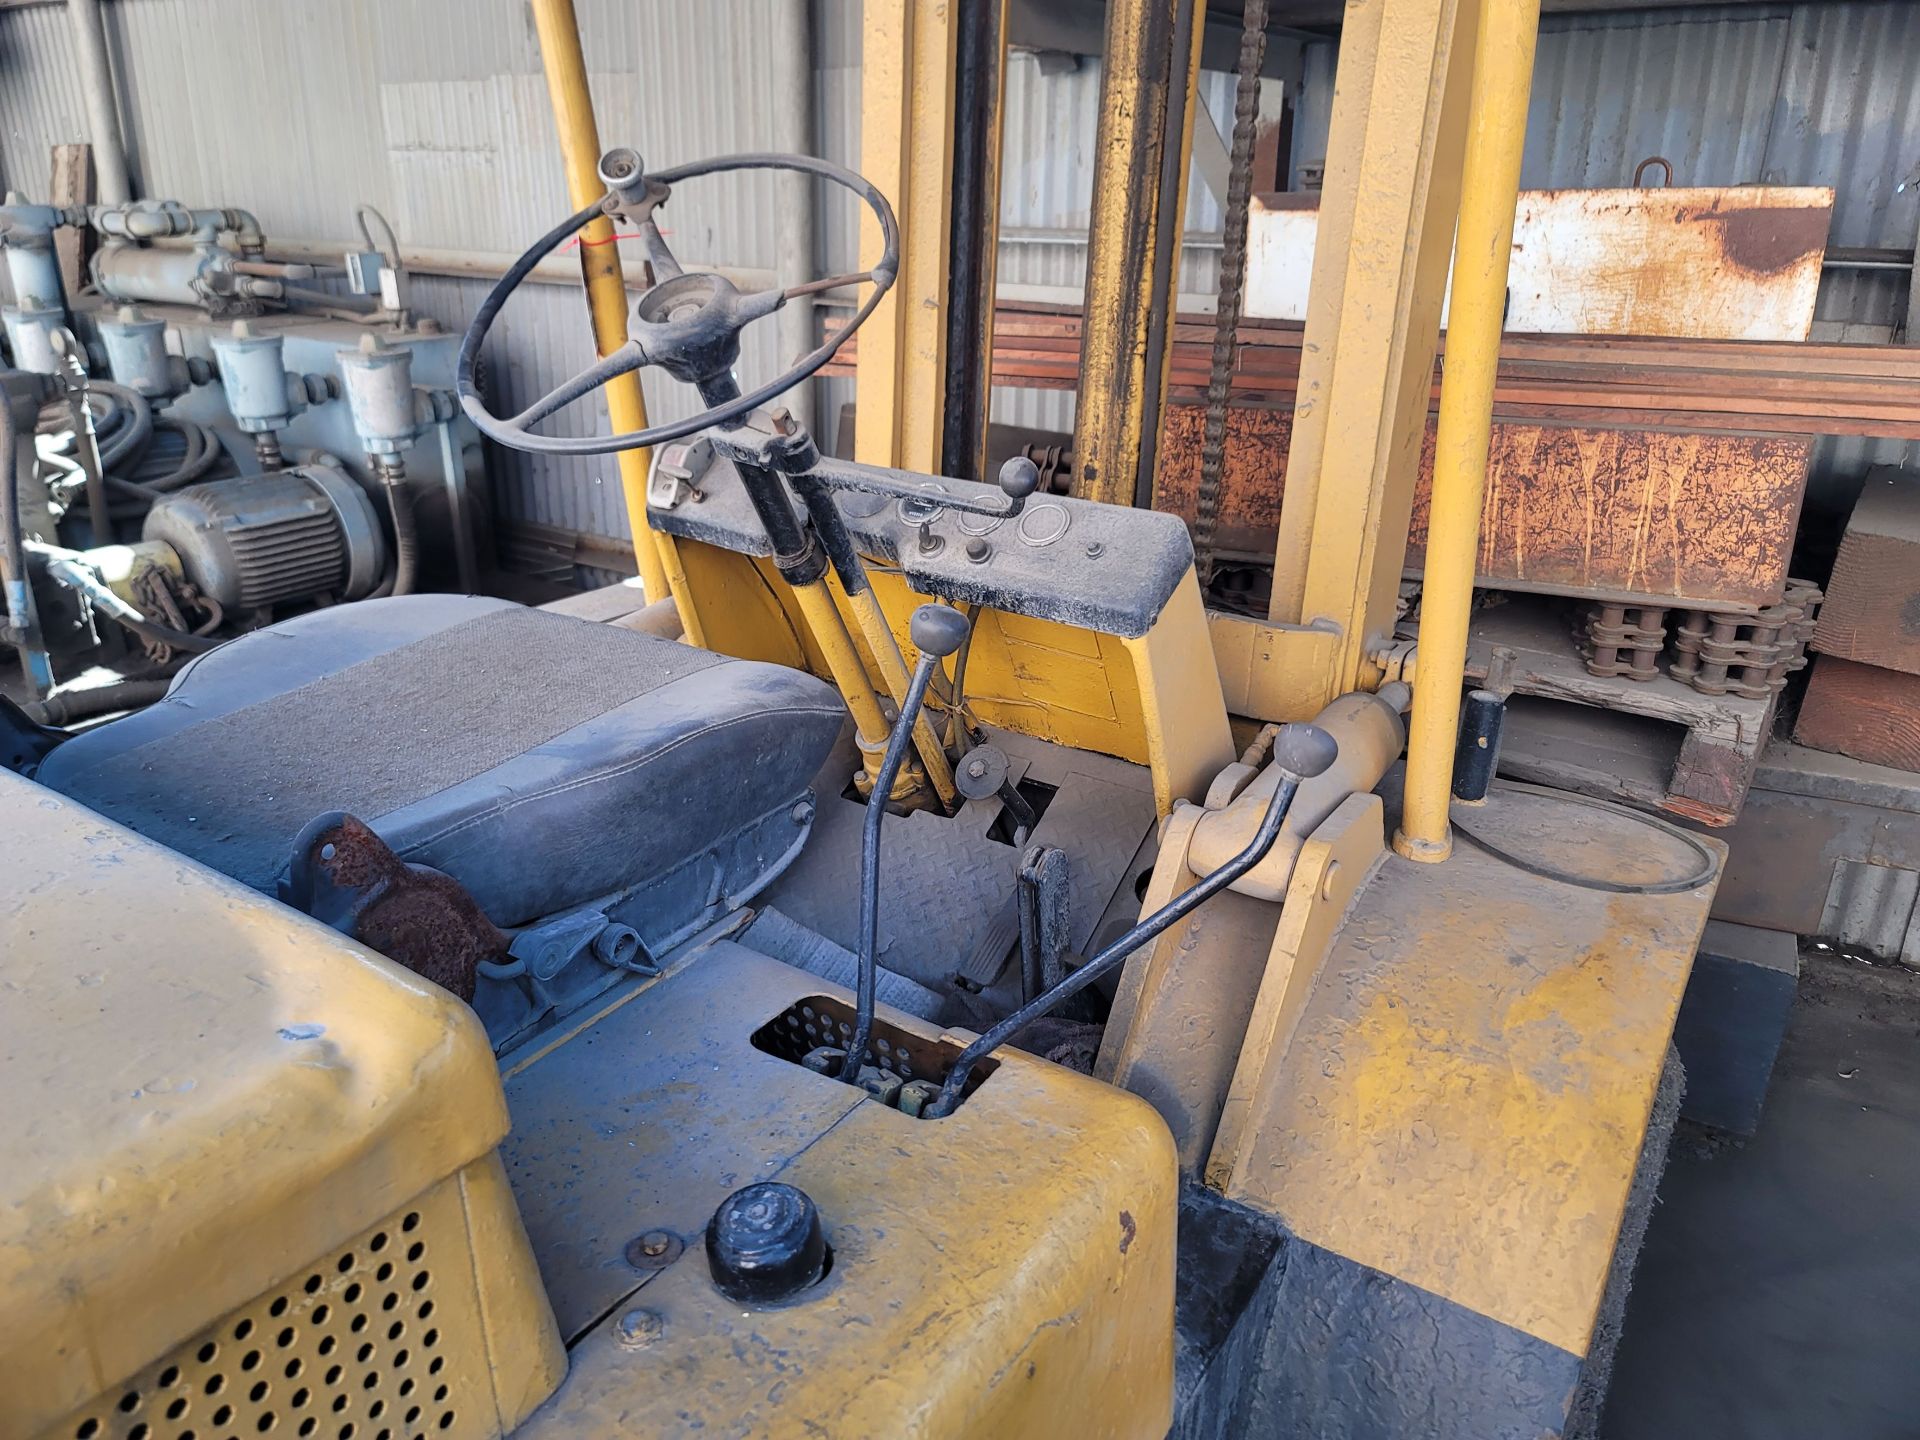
{"x": 268, "y": 539}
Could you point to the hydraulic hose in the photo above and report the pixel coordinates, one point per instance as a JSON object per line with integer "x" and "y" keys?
{"x": 13, "y": 563}
{"x": 406, "y": 539}
{"x": 75, "y": 705}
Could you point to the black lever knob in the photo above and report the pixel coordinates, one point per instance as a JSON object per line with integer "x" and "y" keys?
{"x": 1019, "y": 478}
{"x": 938, "y": 630}
{"x": 1304, "y": 750}
{"x": 765, "y": 1244}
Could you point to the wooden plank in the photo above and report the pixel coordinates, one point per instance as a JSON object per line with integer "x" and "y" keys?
{"x": 1638, "y": 516}
{"x": 1862, "y": 711}
{"x": 71, "y": 184}
{"x": 1872, "y": 610}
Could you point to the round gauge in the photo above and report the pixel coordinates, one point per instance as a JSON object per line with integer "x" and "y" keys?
{"x": 1043, "y": 524}
{"x": 919, "y": 511}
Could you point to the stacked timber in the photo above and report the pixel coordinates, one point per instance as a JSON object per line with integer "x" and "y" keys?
{"x": 1748, "y": 386}
{"x": 1864, "y": 697}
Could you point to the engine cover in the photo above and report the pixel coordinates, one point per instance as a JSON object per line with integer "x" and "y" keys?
{"x": 263, "y": 540}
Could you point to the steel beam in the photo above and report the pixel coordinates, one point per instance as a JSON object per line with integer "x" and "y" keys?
{"x": 906, "y": 149}
{"x": 1373, "y": 321}
{"x": 1496, "y": 135}
{"x": 980, "y": 66}
{"x": 1147, "y": 98}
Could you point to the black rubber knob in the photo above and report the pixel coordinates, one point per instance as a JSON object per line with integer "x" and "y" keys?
{"x": 1304, "y": 750}
{"x": 938, "y": 629}
{"x": 765, "y": 1244}
{"x": 1019, "y": 477}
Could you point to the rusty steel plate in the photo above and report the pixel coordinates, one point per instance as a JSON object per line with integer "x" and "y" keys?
{"x": 1638, "y": 516}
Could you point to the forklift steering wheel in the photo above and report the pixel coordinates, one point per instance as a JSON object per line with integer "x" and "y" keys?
{"x": 688, "y": 323}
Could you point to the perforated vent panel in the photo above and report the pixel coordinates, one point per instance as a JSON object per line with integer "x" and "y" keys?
{"x": 380, "y": 1341}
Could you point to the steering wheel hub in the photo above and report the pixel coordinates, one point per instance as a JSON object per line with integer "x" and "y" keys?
{"x": 689, "y": 324}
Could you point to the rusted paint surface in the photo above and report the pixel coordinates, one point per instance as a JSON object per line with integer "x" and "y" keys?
{"x": 414, "y": 915}
{"x": 1732, "y": 264}
{"x": 1702, "y": 262}
{"x": 1630, "y": 515}
{"x": 1761, "y": 238}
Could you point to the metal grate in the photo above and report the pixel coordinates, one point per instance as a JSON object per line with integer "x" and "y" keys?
{"x": 377, "y": 1342}
{"x": 823, "y": 1020}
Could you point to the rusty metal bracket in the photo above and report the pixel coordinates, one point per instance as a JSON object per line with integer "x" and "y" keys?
{"x": 345, "y": 876}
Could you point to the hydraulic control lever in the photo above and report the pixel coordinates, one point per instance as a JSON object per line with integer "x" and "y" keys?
{"x": 1299, "y": 752}
{"x": 937, "y": 631}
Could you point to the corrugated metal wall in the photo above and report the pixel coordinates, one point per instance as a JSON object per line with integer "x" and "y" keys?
{"x": 435, "y": 111}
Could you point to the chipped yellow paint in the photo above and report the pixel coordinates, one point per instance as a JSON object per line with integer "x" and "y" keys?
{"x": 1005, "y": 1272}
{"x": 1465, "y": 1095}
{"x": 161, "y": 1169}
{"x": 1336, "y": 863}
{"x": 1154, "y": 700}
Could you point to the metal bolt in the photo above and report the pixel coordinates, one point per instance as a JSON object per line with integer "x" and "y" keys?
{"x": 976, "y": 768}
{"x": 1095, "y": 549}
{"x": 654, "y": 1250}
{"x": 637, "y": 1329}
{"x": 782, "y": 419}
{"x": 1326, "y": 881}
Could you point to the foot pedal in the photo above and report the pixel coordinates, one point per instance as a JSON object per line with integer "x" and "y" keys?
{"x": 988, "y": 960}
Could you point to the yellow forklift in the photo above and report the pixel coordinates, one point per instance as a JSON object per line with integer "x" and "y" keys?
{"x": 962, "y": 986}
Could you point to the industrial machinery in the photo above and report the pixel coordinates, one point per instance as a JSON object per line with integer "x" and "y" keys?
{"x": 438, "y": 1016}
{"x": 219, "y": 438}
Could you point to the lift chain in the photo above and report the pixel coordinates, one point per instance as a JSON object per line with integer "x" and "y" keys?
{"x": 1233, "y": 279}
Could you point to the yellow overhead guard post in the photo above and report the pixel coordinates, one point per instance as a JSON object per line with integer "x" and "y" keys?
{"x": 1490, "y": 187}
{"x": 566, "y": 68}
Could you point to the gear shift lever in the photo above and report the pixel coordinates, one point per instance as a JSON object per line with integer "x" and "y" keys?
{"x": 937, "y": 631}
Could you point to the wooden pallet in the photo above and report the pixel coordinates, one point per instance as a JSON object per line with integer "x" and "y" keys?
{"x": 1658, "y": 744}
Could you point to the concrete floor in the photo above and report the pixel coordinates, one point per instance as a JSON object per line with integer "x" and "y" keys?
{"x": 1779, "y": 1291}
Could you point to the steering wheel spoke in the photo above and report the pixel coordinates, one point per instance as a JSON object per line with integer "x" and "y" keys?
{"x": 629, "y": 357}
{"x": 688, "y": 323}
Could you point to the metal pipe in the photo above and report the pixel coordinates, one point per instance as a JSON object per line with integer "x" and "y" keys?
{"x": 479, "y": 264}
{"x": 1490, "y": 189}
{"x": 1300, "y": 752}
{"x": 870, "y": 869}
{"x": 937, "y": 632}
{"x": 872, "y": 624}
{"x": 979, "y": 68}
{"x": 822, "y": 617}
{"x": 96, "y": 85}
{"x": 566, "y": 69}
{"x": 13, "y": 555}
{"x": 791, "y": 33}
{"x": 1150, "y": 65}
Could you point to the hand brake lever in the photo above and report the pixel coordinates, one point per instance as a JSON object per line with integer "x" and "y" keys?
{"x": 937, "y": 631}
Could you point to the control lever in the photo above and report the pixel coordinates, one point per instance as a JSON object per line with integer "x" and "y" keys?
{"x": 1045, "y": 897}
{"x": 1300, "y": 752}
{"x": 937, "y": 631}
{"x": 1019, "y": 477}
